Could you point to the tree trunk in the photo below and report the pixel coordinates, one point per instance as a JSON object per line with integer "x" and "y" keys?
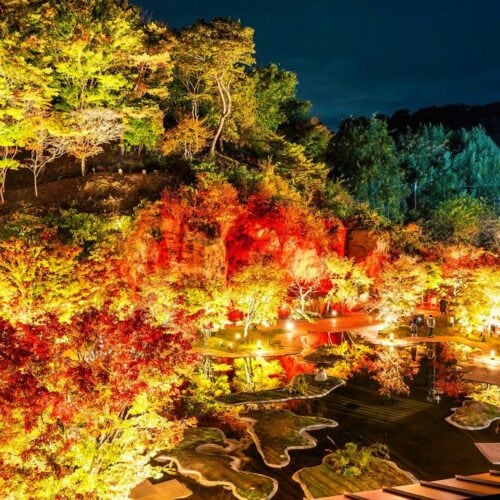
{"x": 35, "y": 183}
{"x": 248, "y": 376}
{"x": 245, "y": 330}
{"x": 227, "y": 105}
{"x": 3, "y": 179}
{"x": 83, "y": 166}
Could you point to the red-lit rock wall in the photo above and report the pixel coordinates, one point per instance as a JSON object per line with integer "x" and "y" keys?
{"x": 208, "y": 232}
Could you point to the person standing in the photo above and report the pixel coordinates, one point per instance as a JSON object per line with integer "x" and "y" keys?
{"x": 442, "y": 306}
{"x": 431, "y": 323}
{"x": 413, "y": 327}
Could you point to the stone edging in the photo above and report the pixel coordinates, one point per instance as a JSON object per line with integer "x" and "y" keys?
{"x": 287, "y": 398}
{"x": 450, "y": 420}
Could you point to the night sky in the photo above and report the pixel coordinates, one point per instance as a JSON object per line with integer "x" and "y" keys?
{"x": 358, "y": 57}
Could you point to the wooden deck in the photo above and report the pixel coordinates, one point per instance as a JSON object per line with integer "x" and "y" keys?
{"x": 485, "y": 485}
{"x": 167, "y": 490}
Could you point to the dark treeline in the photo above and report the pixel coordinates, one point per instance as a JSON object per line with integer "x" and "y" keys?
{"x": 454, "y": 116}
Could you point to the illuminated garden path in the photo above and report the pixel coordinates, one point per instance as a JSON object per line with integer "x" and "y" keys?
{"x": 365, "y": 325}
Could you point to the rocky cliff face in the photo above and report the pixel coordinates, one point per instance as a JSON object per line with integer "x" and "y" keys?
{"x": 366, "y": 246}
{"x": 195, "y": 241}
{"x": 360, "y": 243}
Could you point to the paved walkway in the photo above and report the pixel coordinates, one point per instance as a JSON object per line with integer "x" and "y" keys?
{"x": 361, "y": 323}
{"x": 299, "y": 334}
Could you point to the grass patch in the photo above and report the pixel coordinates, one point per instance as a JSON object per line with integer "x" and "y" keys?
{"x": 277, "y": 431}
{"x": 323, "y": 480}
{"x": 474, "y": 414}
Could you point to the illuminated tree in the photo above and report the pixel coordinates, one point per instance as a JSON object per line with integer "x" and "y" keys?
{"x": 459, "y": 220}
{"x": 392, "y": 369}
{"x": 210, "y": 62}
{"x": 89, "y": 131}
{"x": 24, "y": 92}
{"x": 257, "y": 291}
{"x": 95, "y": 49}
{"x": 306, "y": 273}
{"x": 449, "y": 376}
{"x": 349, "y": 281}
{"x": 188, "y": 137}
{"x": 305, "y": 175}
{"x": 399, "y": 289}
{"x": 142, "y": 129}
{"x": 478, "y": 299}
{"x": 158, "y": 295}
{"x": 354, "y": 356}
{"x": 84, "y": 407}
{"x": 207, "y": 302}
{"x": 256, "y": 374}
{"x": 45, "y": 145}
{"x": 37, "y": 280}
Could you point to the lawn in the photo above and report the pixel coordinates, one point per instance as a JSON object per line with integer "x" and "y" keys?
{"x": 275, "y": 432}
{"x": 323, "y": 481}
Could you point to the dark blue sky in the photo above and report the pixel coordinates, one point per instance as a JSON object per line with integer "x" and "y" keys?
{"x": 357, "y": 57}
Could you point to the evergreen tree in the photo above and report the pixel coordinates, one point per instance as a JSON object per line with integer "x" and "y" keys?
{"x": 364, "y": 154}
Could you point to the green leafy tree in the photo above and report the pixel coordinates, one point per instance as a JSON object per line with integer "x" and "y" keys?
{"x": 211, "y": 61}
{"x": 274, "y": 90}
{"x": 364, "y": 154}
{"x": 142, "y": 129}
{"x": 425, "y": 156}
{"x": 478, "y": 160}
{"x": 459, "y": 220}
{"x": 24, "y": 92}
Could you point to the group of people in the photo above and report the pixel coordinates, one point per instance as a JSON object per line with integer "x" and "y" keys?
{"x": 431, "y": 321}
